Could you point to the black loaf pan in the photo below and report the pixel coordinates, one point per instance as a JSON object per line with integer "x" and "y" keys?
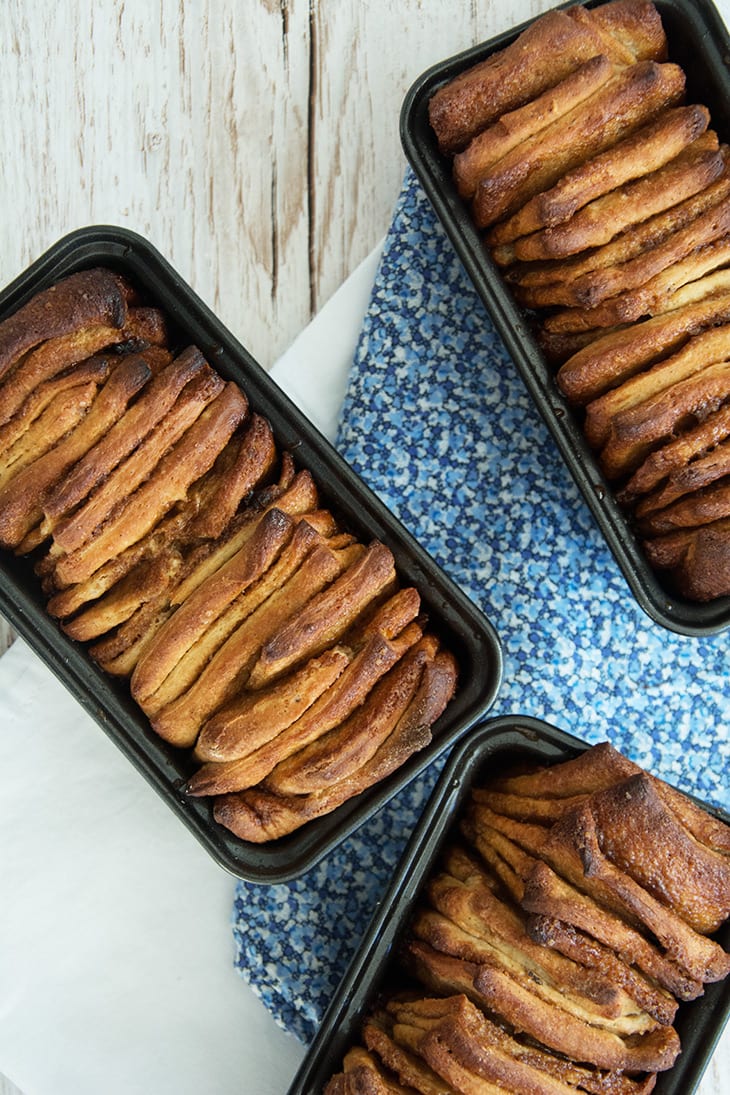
{"x": 492, "y": 747}
{"x": 698, "y": 41}
{"x": 459, "y": 623}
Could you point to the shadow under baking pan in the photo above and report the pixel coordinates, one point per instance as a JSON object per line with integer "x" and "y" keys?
{"x": 490, "y": 749}
{"x": 699, "y": 42}
{"x": 452, "y": 616}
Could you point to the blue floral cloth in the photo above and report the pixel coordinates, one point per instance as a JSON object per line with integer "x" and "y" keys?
{"x": 437, "y": 420}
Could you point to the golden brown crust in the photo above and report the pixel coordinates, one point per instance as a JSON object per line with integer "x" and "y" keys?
{"x": 446, "y": 1061}
{"x": 21, "y": 500}
{"x": 573, "y": 849}
{"x": 296, "y": 495}
{"x": 251, "y": 602}
{"x": 327, "y": 616}
{"x": 593, "y": 288}
{"x": 253, "y": 460}
{"x": 604, "y": 218}
{"x": 633, "y": 97}
{"x": 268, "y": 537}
{"x": 410, "y": 1067}
{"x": 65, "y": 410}
{"x": 485, "y": 1049}
{"x": 340, "y": 752}
{"x": 558, "y": 951}
{"x": 547, "y": 51}
{"x": 635, "y": 24}
{"x": 701, "y": 507}
{"x": 256, "y": 718}
{"x": 125, "y": 435}
{"x": 181, "y": 720}
{"x": 702, "y": 472}
{"x": 138, "y": 468}
{"x": 707, "y": 348}
{"x": 618, "y": 355}
{"x": 500, "y": 928}
{"x": 117, "y": 653}
{"x": 90, "y": 297}
{"x": 364, "y": 1075}
{"x": 588, "y": 952}
{"x": 552, "y": 1027}
{"x": 548, "y": 894}
{"x": 672, "y": 464}
{"x": 53, "y": 356}
{"x": 260, "y": 816}
{"x": 95, "y": 369}
{"x": 496, "y": 141}
{"x": 390, "y": 617}
{"x": 507, "y": 79}
{"x": 539, "y": 888}
{"x": 144, "y": 327}
{"x": 629, "y": 276}
{"x": 530, "y": 808}
{"x": 643, "y": 153}
{"x": 701, "y": 274}
{"x": 174, "y": 532}
{"x": 175, "y": 472}
{"x": 592, "y": 770}
{"x": 606, "y": 201}
{"x": 560, "y": 281}
{"x": 141, "y": 585}
{"x": 640, "y": 835}
{"x": 637, "y": 430}
{"x": 509, "y": 965}
{"x": 336, "y": 704}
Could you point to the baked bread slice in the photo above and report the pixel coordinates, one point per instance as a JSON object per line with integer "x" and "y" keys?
{"x": 22, "y": 498}
{"x": 546, "y": 52}
{"x": 364, "y": 669}
{"x": 697, "y": 559}
{"x": 89, "y": 298}
{"x": 620, "y": 354}
{"x": 599, "y": 221}
{"x": 259, "y": 815}
{"x": 512, "y": 129}
{"x": 637, "y": 430}
{"x": 633, "y": 97}
{"x": 643, "y": 154}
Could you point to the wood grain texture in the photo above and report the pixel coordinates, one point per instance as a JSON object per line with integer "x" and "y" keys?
{"x": 254, "y": 143}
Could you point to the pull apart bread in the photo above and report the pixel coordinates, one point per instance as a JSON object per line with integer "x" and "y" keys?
{"x": 549, "y": 950}
{"x": 603, "y": 195}
{"x": 172, "y": 536}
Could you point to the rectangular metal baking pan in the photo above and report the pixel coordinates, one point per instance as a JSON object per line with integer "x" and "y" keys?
{"x": 491, "y": 747}
{"x": 453, "y": 616}
{"x": 699, "y": 42}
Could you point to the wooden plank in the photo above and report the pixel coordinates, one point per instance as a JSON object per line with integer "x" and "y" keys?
{"x": 256, "y": 145}
{"x": 357, "y": 160}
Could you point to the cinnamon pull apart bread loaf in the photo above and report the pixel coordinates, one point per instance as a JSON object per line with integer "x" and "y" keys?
{"x": 570, "y": 913}
{"x": 173, "y": 535}
{"x": 602, "y": 192}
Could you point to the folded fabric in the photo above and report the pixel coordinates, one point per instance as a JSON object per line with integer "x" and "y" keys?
{"x": 438, "y": 422}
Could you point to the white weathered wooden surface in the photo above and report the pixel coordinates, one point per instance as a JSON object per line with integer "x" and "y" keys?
{"x": 255, "y": 143}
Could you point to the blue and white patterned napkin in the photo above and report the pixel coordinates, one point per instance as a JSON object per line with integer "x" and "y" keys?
{"x": 438, "y": 422}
